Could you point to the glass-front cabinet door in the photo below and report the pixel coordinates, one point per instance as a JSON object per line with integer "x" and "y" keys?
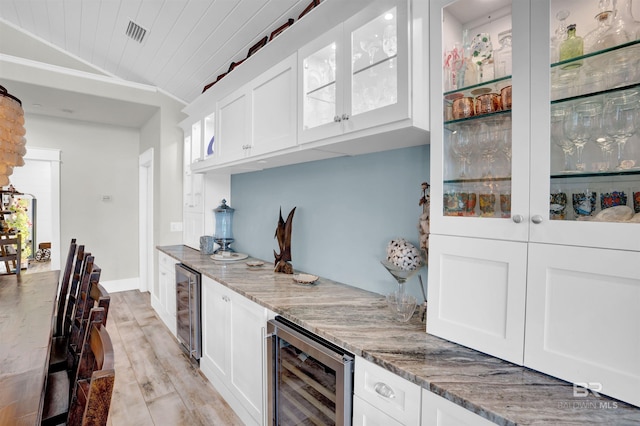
{"x": 585, "y": 182}
{"x": 482, "y": 109}
{"x": 356, "y": 75}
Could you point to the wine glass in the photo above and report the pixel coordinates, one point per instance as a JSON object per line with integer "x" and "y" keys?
{"x": 487, "y": 139}
{"x": 558, "y": 115}
{"x": 505, "y": 143}
{"x": 619, "y": 121}
{"x": 582, "y": 125}
{"x": 462, "y": 146}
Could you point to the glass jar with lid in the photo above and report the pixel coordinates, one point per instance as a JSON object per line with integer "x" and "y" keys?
{"x": 502, "y": 56}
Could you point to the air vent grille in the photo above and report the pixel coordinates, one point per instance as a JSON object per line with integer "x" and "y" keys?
{"x": 135, "y": 32}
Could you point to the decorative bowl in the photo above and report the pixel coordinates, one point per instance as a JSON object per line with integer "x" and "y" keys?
{"x": 255, "y": 263}
{"x": 307, "y": 279}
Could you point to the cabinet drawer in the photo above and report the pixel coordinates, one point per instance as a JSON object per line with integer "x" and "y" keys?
{"x": 390, "y": 393}
{"x": 166, "y": 261}
{"x": 365, "y": 414}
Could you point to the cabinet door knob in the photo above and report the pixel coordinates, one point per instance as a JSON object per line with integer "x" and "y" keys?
{"x": 384, "y": 390}
{"x": 536, "y": 219}
{"x": 345, "y": 116}
{"x": 517, "y": 218}
{"x": 337, "y": 119}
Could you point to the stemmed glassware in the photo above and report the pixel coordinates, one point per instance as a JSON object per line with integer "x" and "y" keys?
{"x": 462, "y": 146}
{"x": 558, "y": 115}
{"x": 582, "y": 125}
{"x": 505, "y": 142}
{"x": 402, "y": 305}
{"x": 487, "y": 140}
{"x": 620, "y": 121}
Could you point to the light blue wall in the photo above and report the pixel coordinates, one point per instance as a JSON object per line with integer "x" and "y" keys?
{"x": 348, "y": 208}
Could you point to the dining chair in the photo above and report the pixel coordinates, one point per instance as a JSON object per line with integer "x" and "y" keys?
{"x": 63, "y": 294}
{"x": 93, "y": 389}
{"x": 11, "y": 252}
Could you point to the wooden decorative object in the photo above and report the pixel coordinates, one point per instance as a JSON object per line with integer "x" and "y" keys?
{"x": 280, "y": 29}
{"x": 283, "y": 234}
{"x": 308, "y": 9}
{"x": 235, "y": 64}
{"x": 259, "y": 45}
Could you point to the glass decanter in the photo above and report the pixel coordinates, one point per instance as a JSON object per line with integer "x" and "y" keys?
{"x": 502, "y": 56}
{"x": 623, "y": 28}
{"x": 603, "y": 19}
{"x": 572, "y": 47}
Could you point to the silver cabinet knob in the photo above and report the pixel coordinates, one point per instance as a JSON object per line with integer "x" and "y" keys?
{"x": 345, "y": 116}
{"x": 517, "y": 218}
{"x": 536, "y": 219}
{"x": 337, "y": 119}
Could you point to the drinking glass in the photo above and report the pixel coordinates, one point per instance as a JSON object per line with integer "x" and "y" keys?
{"x": 558, "y": 115}
{"x": 584, "y": 203}
{"x": 582, "y": 125}
{"x": 619, "y": 115}
{"x": 462, "y": 147}
{"x": 505, "y": 142}
{"x": 487, "y": 140}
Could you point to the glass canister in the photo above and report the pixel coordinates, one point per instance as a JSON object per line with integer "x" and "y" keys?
{"x": 223, "y": 235}
{"x": 502, "y": 57}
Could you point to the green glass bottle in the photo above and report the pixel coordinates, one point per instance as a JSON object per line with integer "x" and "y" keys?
{"x": 572, "y": 47}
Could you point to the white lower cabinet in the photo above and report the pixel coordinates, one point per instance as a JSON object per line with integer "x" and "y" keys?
{"x": 233, "y": 350}
{"x": 583, "y": 321}
{"x": 164, "y": 301}
{"x": 438, "y": 411}
{"x": 380, "y": 395}
{"x": 482, "y": 304}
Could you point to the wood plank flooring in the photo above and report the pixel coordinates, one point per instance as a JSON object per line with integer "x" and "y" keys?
{"x": 155, "y": 382}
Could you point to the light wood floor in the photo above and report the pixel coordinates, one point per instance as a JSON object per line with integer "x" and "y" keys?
{"x": 155, "y": 382}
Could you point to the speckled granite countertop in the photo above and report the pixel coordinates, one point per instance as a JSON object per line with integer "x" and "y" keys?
{"x": 360, "y": 322}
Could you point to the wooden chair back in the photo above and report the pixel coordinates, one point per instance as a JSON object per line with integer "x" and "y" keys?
{"x": 72, "y": 298}
{"x": 9, "y": 254}
{"x": 81, "y": 322}
{"x": 91, "y": 397}
{"x": 63, "y": 294}
{"x": 99, "y": 297}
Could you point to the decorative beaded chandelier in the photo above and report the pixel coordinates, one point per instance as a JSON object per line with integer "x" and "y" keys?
{"x": 12, "y": 140}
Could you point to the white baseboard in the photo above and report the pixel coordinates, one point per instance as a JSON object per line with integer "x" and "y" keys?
{"x": 121, "y": 285}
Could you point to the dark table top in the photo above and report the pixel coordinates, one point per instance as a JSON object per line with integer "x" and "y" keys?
{"x": 27, "y": 305}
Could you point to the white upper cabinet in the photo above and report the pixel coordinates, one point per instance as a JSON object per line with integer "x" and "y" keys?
{"x": 356, "y": 76}
{"x": 273, "y": 108}
{"x": 234, "y": 118}
{"x": 354, "y": 80}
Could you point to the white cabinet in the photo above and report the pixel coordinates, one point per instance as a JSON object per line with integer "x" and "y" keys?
{"x": 356, "y": 76}
{"x": 234, "y": 119}
{"x": 380, "y": 395}
{"x": 233, "y": 352}
{"x": 438, "y": 411}
{"x": 274, "y": 108}
{"x": 192, "y": 189}
{"x": 164, "y": 301}
{"x": 505, "y": 229}
{"x": 583, "y": 321}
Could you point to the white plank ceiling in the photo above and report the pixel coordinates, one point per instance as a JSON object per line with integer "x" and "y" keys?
{"x": 187, "y": 44}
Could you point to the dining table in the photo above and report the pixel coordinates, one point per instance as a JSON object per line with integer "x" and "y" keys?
{"x": 27, "y": 308}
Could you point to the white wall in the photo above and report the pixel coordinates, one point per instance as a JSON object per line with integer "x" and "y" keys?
{"x": 97, "y": 161}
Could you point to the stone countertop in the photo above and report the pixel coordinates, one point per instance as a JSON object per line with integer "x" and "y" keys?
{"x": 359, "y": 321}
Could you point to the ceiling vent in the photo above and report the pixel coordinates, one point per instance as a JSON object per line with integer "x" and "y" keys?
{"x": 135, "y": 32}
